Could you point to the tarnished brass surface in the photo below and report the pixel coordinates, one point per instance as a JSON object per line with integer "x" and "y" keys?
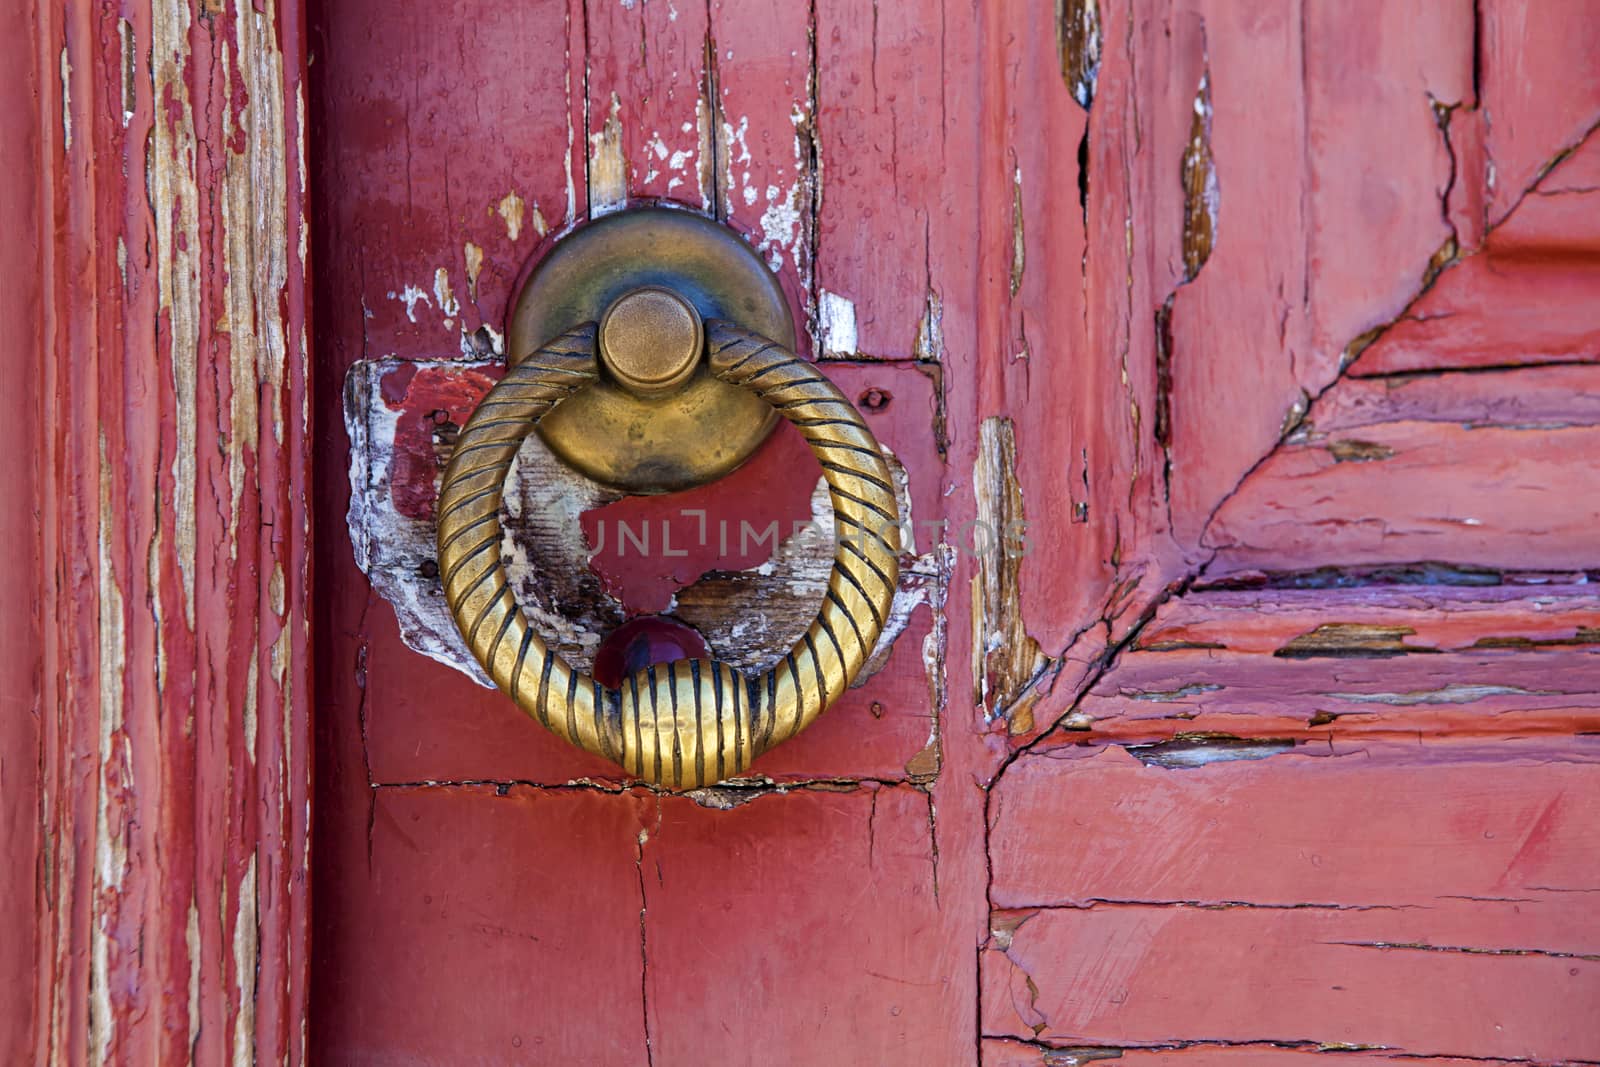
{"x": 650, "y": 341}
{"x": 687, "y": 724}
{"x": 665, "y": 439}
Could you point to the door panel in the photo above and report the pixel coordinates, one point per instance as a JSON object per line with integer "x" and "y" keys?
{"x": 1327, "y": 896}
{"x": 1271, "y": 742}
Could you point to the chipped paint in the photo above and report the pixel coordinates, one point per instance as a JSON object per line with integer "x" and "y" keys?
{"x": 572, "y": 135}
{"x": 397, "y": 552}
{"x": 707, "y": 118}
{"x": 929, "y": 345}
{"x": 244, "y": 966}
{"x": 512, "y": 210}
{"x": 1185, "y": 751}
{"x": 255, "y": 226}
{"x": 1201, "y": 198}
{"x": 936, "y": 647}
{"x": 66, "y": 100}
{"x": 749, "y": 616}
{"x": 785, "y": 220}
{"x": 130, "y": 88}
{"x": 1454, "y": 693}
{"x": 115, "y": 772}
{"x": 1006, "y": 659}
{"x": 445, "y": 297}
{"x": 608, "y": 169}
{"x": 411, "y": 296}
{"x": 473, "y": 256}
{"x": 836, "y": 316}
{"x": 656, "y": 153}
{"x": 175, "y": 512}
{"x": 175, "y": 202}
{"x": 1078, "y": 40}
{"x": 191, "y": 942}
{"x": 1019, "y": 248}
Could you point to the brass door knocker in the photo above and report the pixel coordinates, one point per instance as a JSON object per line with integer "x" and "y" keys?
{"x": 652, "y": 394}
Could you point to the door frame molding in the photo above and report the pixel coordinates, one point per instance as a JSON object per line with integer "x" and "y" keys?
{"x": 156, "y": 754}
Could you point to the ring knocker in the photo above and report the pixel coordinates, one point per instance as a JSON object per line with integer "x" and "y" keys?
{"x": 664, "y": 356}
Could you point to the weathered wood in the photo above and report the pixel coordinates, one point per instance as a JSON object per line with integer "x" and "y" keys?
{"x": 1127, "y": 244}
{"x": 24, "y": 130}
{"x": 645, "y": 118}
{"x": 1336, "y": 666}
{"x": 1305, "y": 899}
{"x": 170, "y": 687}
{"x": 1266, "y": 318}
{"x": 1532, "y": 116}
{"x": 1013, "y": 1052}
{"x": 859, "y": 968}
{"x": 1528, "y": 297}
{"x": 1467, "y": 470}
{"x": 472, "y": 890}
{"x": 1296, "y": 976}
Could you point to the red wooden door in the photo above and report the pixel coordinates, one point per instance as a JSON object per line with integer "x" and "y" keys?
{"x": 1273, "y": 326}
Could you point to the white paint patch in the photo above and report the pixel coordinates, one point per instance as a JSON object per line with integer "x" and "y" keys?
{"x": 446, "y": 297}
{"x": 837, "y": 317}
{"x": 785, "y": 215}
{"x": 66, "y": 101}
{"x": 1454, "y": 693}
{"x": 547, "y": 558}
{"x": 410, "y": 296}
{"x": 930, "y": 331}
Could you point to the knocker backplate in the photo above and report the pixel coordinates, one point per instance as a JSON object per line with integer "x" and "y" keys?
{"x": 695, "y": 434}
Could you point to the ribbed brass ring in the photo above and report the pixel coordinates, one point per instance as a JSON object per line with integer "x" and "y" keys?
{"x": 691, "y": 723}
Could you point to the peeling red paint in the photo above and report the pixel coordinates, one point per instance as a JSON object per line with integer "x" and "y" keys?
{"x": 1278, "y": 670}
{"x": 427, "y": 403}
{"x": 171, "y": 678}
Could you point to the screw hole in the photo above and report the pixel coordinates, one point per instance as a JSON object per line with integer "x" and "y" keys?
{"x": 875, "y": 400}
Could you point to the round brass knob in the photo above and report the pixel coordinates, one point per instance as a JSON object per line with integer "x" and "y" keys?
{"x": 650, "y": 341}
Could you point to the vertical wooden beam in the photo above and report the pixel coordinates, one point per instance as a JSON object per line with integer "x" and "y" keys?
{"x": 167, "y": 497}
{"x": 20, "y": 136}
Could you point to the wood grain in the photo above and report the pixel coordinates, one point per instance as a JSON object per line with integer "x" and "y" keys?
{"x": 23, "y": 133}
{"x": 1303, "y": 899}
{"x": 1533, "y": 118}
{"x": 1487, "y": 470}
{"x": 467, "y": 891}
{"x": 1150, "y": 300}
{"x": 171, "y": 678}
{"x": 1528, "y": 297}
